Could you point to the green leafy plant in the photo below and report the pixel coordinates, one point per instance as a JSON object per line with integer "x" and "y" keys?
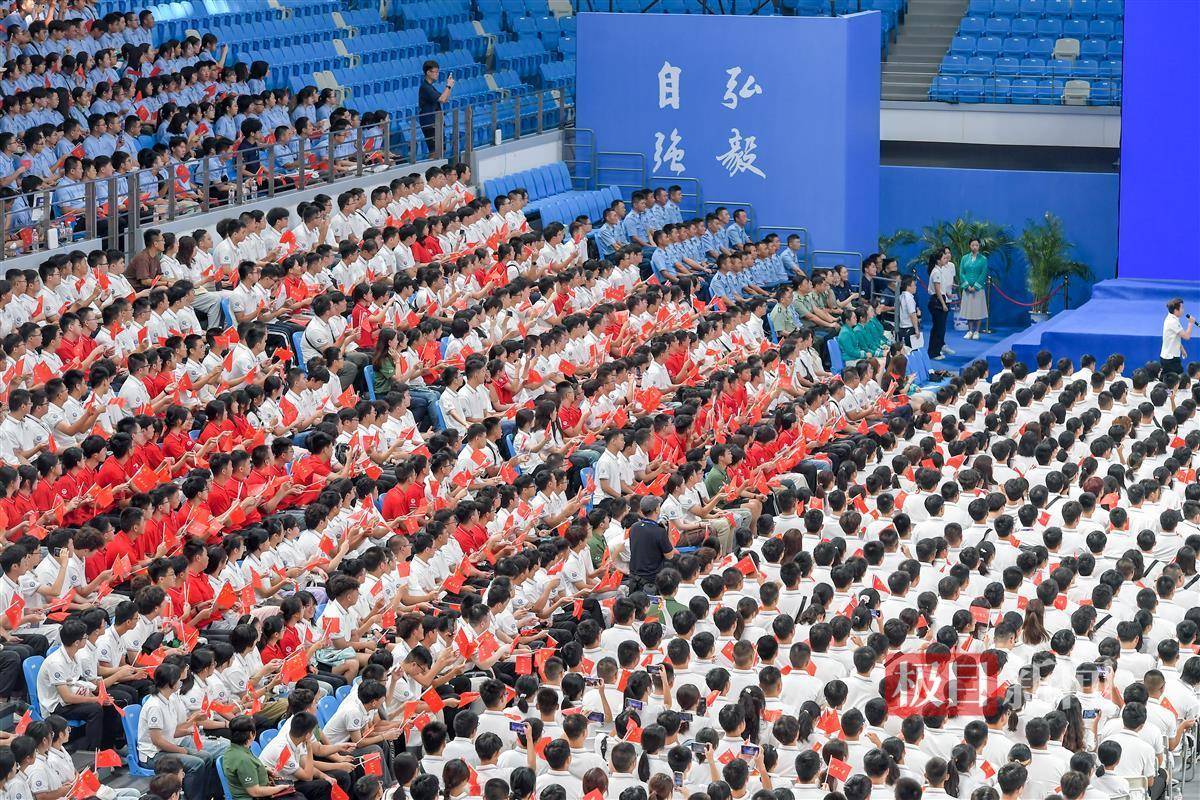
{"x": 994, "y": 240}
{"x": 1048, "y": 253}
{"x": 897, "y": 238}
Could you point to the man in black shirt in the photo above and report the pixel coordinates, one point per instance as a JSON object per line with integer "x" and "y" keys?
{"x": 429, "y": 102}
{"x": 649, "y": 544}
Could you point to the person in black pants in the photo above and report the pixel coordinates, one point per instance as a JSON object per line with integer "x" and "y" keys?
{"x": 941, "y": 283}
{"x": 58, "y": 684}
{"x": 429, "y": 103}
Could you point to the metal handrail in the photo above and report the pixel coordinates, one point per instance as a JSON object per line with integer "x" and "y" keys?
{"x": 857, "y": 268}
{"x": 639, "y": 171}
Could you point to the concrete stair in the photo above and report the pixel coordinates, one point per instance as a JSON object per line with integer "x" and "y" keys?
{"x": 921, "y": 42}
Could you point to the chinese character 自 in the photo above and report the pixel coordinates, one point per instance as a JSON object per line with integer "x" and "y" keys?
{"x": 673, "y": 156}
{"x": 741, "y": 156}
{"x": 668, "y": 86}
{"x": 749, "y": 88}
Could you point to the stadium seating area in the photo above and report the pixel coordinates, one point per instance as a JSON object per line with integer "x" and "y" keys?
{"x": 1035, "y": 52}
{"x": 551, "y": 194}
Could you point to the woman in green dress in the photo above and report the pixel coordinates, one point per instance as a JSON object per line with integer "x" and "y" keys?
{"x": 972, "y": 278}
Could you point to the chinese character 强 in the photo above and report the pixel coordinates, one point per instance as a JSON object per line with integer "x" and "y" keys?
{"x": 673, "y": 157}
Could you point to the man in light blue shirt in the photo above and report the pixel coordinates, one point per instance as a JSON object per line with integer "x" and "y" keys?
{"x": 69, "y": 194}
{"x": 610, "y": 235}
{"x": 674, "y": 198}
{"x": 737, "y": 229}
{"x": 790, "y": 256}
{"x": 715, "y": 240}
{"x": 635, "y": 227}
{"x": 661, "y": 260}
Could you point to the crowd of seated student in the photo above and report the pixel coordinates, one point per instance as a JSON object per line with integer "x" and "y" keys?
{"x": 673, "y": 553}
{"x": 95, "y": 110}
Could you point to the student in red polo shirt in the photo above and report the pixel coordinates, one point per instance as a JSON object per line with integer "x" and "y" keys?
{"x": 119, "y": 467}
{"x": 314, "y": 469}
{"x": 397, "y": 502}
{"x": 197, "y": 588}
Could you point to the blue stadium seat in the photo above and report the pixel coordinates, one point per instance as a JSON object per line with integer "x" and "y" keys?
{"x": 1024, "y": 91}
{"x": 1061, "y": 67}
{"x": 1086, "y": 68}
{"x": 1075, "y": 28}
{"x": 1033, "y": 8}
{"x": 1110, "y": 8}
{"x": 1024, "y": 26}
{"x": 998, "y": 90}
{"x": 219, "y": 764}
{"x": 963, "y": 45}
{"x": 1007, "y": 66}
{"x": 1083, "y": 9}
{"x": 980, "y": 65}
{"x": 1051, "y": 27}
{"x": 1101, "y": 29}
{"x": 129, "y": 722}
{"x": 836, "y": 362}
{"x": 327, "y": 706}
{"x": 1058, "y": 8}
{"x": 1033, "y": 66}
{"x": 1041, "y": 47}
{"x": 1110, "y": 69}
{"x": 1093, "y": 48}
{"x": 980, "y": 8}
{"x": 970, "y": 90}
{"x": 1016, "y": 46}
{"x": 972, "y": 26}
{"x": 998, "y": 26}
{"x": 1006, "y": 8}
{"x": 954, "y": 65}
{"x": 988, "y": 46}
{"x": 1115, "y": 48}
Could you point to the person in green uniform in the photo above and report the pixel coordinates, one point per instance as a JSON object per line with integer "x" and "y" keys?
{"x": 972, "y": 278}
{"x": 849, "y": 339}
{"x": 246, "y": 775}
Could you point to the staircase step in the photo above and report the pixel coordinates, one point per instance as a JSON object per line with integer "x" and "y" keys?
{"x": 921, "y": 43}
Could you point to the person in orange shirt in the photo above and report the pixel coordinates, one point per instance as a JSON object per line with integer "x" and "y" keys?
{"x": 314, "y": 469}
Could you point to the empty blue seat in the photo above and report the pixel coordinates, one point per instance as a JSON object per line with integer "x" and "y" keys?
{"x": 1075, "y": 28}
{"x": 1016, "y": 46}
{"x": 963, "y": 45}
{"x": 1110, "y": 69}
{"x": 980, "y": 8}
{"x": 954, "y": 65}
{"x": 1101, "y": 29}
{"x": 1006, "y": 8}
{"x": 997, "y": 90}
{"x": 1033, "y": 66}
{"x": 1083, "y": 9}
{"x": 944, "y": 89}
{"x": 1110, "y": 8}
{"x": 1087, "y": 68}
{"x": 1050, "y": 91}
{"x": 1041, "y": 47}
{"x": 979, "y": 65}
{"x": 1050, "y": 27}
{"x": 1033, "y": 8}
{"x": 1023, "y": 91}
{"x": 997, "y": 26}
{"x": 1093, "y": 48}
{"x": 1115, "y": 48}
{"x": 1103, "y": 93}
{"x": 972, "y": 26}
{"x": 1007, "y": 67}
{"x": 970, "y": 90}
{"x": 1061, "y": 67}
{"x": 988, "y": 46}
{"x": 1024, "y": 26}
{"x": 1057, "y": 8}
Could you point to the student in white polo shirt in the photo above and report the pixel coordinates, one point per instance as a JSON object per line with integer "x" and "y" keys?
{"x": 357, "y": 721}
{"x": 165, "y": 727}
{"x": 63, "y": 690}
{"x": 289, "y": 757}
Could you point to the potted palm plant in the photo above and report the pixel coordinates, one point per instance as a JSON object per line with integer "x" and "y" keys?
{"x": 1048, "y": 253}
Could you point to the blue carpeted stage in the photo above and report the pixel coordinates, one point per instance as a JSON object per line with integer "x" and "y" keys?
{"x": 1123, "y": 316}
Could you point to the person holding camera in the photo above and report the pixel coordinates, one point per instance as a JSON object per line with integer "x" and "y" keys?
{"x": 1174, "y": 333}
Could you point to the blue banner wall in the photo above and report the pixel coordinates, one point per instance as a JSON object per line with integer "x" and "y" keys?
{"x": 913, "y": 197}
{"x": 778, "y": 112}
{"x": 1160, "y": 140}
